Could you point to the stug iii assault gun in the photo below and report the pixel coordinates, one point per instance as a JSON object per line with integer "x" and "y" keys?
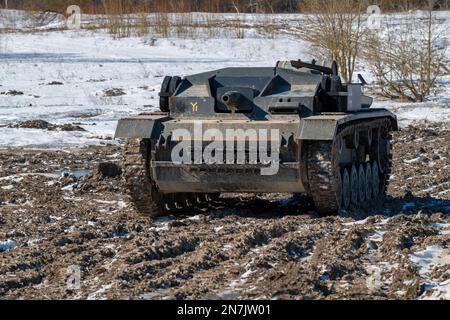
{"x": 294, "y": 128}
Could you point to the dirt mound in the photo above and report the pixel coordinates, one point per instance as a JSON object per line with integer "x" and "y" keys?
{"x": 114, "y": 92}
{"x": 12, "y": 93}
{"x": 33, "y": 124}
{"x": 44, "y": 125}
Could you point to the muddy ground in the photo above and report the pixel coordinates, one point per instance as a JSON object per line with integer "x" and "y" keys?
{"x": 58, "y": 215}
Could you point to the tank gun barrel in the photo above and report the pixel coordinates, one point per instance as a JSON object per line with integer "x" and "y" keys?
{"x": 333, "y": 70}
{"x": 233, "y": 99}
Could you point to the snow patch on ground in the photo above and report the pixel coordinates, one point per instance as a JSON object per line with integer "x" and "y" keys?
{"x": 100, "y": 294}
{"x": 440, "y": 291}
{"x": 444, "y": 228}
{"x": 7, "y": 245}
{"x": 359, "y": 222}
{"x": 377, "y": 236}
{"x": 426, "y": 260}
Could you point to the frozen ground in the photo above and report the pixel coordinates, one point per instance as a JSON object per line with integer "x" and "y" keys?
{"x": 61, "y": 76}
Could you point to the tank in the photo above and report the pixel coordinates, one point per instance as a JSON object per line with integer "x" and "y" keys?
{"x": 294, "y": 128}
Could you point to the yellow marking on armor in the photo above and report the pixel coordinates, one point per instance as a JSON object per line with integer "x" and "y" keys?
{"x": 194, "y": 106}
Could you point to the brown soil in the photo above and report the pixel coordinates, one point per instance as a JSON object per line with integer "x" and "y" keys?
{"x": 262, "y": 246}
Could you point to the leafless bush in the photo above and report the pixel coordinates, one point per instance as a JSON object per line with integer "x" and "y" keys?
{"x": 162, "y": 24}
{"x": 335, "y": 30}
{"x": 239, "y": 28}
{"x": 143, "y": 24}
{"x": 408, "y": 58}
{"x": 184, "y": 25}
{"x": 269, "y": 26}
{"x": 118, "y": 19}
{"x": 210, "y": 25}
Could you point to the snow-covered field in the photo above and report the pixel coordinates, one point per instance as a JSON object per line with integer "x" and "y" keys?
{"x": 61, "y": 76}
{"x": 87, "y": 63}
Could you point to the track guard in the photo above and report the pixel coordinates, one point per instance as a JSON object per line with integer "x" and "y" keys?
{"x": 145, "y": 126}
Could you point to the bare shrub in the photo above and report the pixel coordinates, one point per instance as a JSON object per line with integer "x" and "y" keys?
{"x": 162, "y": 24}
{"x": 210, "y": 24}
{"x": 407, "y": 64}
{"x": 269, "y": 26}
{"x": 184, "y": 25}
{"x": 118, "y": 19}
{"x": 143, "y": 25}
{"x": 142, "y": 21}
{"x": 335, "y": 30}
{"x": 238, "y": 27}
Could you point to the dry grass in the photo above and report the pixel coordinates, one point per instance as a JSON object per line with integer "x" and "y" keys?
{"x": 143, "y": 25}
{"x": 239, "y": 27}
{"x": 184, "y": 26}
{"x": 216, "y": 6}
{"x": 118, "y": 20}
{"x": 161, "y": 24}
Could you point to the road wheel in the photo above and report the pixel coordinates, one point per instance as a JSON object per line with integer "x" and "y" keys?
{"x": 354, "y": 186}
{"x": 339, "y": 190}
{"x": 369, "y": 182}
{"x": 362, "y": 184}
{"x": 346, "y": 189}
{"x": 376, "y": 187}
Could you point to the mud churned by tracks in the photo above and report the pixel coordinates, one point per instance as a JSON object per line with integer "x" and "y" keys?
{"x": 57, "y": 216}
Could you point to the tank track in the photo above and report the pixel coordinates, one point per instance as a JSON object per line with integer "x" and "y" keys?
{"x": 326, "y": 176}
{"x": 142, "y": 190}
{"x": 322, "y": 186}
{"x": 136, "y": 172}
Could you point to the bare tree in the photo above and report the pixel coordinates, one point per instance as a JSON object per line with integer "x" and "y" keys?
{"x": 334, "y": 28}
{"x": 408, "y": 64}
